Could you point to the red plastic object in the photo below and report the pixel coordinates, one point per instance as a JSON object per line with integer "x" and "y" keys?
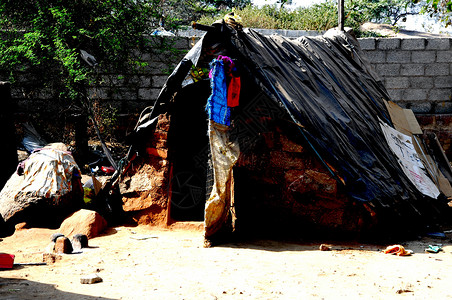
{"x": 6, "y": 261}
{"x": 108, "y": 170}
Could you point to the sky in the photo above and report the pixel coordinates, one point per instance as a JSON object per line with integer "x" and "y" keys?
{"x": 419, "y": 23}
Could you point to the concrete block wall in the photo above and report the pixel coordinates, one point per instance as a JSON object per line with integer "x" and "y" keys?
{"x": 417, "y": 72}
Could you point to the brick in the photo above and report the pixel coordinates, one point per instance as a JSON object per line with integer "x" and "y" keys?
{"x": 388, "y": 69}
{"x": 425, "y": 120}
{"x": 415, "y": 95}
{"x": 397, "y": 82}
{"x": 367, "y": 43}
{"x": 398, "y": 56}
{"x": 163, "y": 153}
{"x": 412, "y": 70}
{"x": 285, "y": 160}
{"x": 440, "y": 94}
{"x": 444, "y": 56}
{"x": 443, "y": 82}
{"x": 290, "y": 146}
{"x": 443, "y": 120}
{"x": 63, "y": 245}
{"x": 421, "y": 82}
{"x": 413, "y": 44}
{"x": 438, "y": 44}
{"x": 388, "y": 43}
{"x": 437, "y": 70}
{"x": 421, "y": 107}
{"x": 376, "y": 56}
{"x": 423, "y": 56}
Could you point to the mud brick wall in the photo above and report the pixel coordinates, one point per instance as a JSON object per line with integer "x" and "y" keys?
{"x": 144, "y": 185}
{"x": 281, "y": 187}
{"x": 417, "y": 72}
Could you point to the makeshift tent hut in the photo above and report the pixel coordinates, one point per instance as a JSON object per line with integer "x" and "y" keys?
{"x": 306, "y": 146}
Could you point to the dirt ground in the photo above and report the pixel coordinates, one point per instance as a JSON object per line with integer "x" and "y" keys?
{"x": 151, "y": 263}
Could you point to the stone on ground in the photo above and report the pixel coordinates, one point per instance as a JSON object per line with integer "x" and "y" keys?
{"x": 85, "y": 222}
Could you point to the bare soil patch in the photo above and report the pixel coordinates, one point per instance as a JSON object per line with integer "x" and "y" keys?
{"x": 153, "y": 263}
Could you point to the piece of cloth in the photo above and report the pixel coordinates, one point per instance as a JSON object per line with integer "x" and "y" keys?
{"x": 398, "y": 250}
{"x": 224, "y": 155}
{"x": 234, "y": 91}
{"x": 233, "y": 82}
{"x": 48, "y": 173}
{"x": 434, "y": 248}
{"x": 217, "y": 104}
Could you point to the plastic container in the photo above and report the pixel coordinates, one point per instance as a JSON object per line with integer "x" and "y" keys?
{"x": 6, "y": 261}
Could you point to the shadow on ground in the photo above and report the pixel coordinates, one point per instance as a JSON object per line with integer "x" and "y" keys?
{"x": 21, "y": 289}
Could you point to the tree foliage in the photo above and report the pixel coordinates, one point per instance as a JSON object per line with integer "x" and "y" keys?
{"x": 440, "y": 10}
{"x": 323, "y": 16}
{"x": 44, "y": 38}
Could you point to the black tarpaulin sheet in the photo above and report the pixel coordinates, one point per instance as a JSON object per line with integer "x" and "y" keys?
{"x": 326, "y": 86}
{"x": 329, "y": 90}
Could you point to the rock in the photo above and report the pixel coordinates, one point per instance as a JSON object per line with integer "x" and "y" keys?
{"x": 79, "y": 241}
{"x": 31, "y": 197}
{"x": 90, "y": 279}
{"x": 50, "y": 258}
{"x": 63, "y": 245}
{"x": 324, "y": 247}
{"x": 21, "y": 226}
{"x": 85, "y": 222}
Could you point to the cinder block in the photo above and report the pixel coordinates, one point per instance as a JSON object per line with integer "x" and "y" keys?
{"x": 443, "y": 107}
{"x": 440, "y": 95}
{"x": 98, "y": 93}
{"x": 367, "y": 43}
{"x": 412, "y": 70}
{"x": 437, "y": 70}
{"x": 124, "y": 94}
{"x": 388, "y": 43}
{"x": 148, "y": 94}
{"x": 398, "y": 56}
{"x": 388, "y": 69}
{"x": 421, "y": 107}
{"x": 415, "y": 95}
{"x": 397, "y": 82}
{"x": 159, "y": 81}
{"x": 444, "y": 56}
{"x": 395, "y": 94}
{"x": 413, "y": 44}
{"x": 421, "y": 82}
{"x": 443, "y": 82}
{"x": 144, "y": 81}
{"x": 376, "y": 56}
{"x": 423, "y": 56}
{"x": 438, "y": 44}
